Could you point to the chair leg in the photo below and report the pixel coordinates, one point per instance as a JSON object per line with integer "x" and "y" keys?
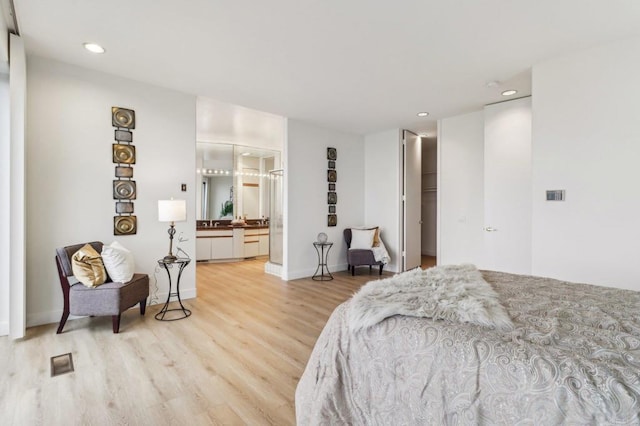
{"x": 143, "y": 306}
{"x": 63, "y": 321}
{"x": 369, "y": 269}
{"x": 353, "y": 270}
{"x": 115, "y": 319}
{"x": 380, "y": 269}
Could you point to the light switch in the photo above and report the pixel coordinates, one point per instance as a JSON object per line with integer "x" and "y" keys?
{"x": 184, "y": 187}
{"x": 555, "y": 195}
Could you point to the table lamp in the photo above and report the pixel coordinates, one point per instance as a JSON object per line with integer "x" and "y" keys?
{"x": 172, "y": 211}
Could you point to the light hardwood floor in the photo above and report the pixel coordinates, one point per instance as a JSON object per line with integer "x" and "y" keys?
{"x": 427, "y": 261}
{"x": 236, "y": 360}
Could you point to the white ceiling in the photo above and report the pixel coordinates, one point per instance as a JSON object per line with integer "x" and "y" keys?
{"x": 358, "y": 65}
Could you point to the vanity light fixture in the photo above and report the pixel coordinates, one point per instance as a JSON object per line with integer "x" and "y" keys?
{"x": 422, "y": 114}
{"x": 94, "y": 48}
{"x": 509, "y": 92}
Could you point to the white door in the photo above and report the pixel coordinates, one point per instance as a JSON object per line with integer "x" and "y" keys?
{"x": 412, "y": 189}
{"x": 507, "y": 186}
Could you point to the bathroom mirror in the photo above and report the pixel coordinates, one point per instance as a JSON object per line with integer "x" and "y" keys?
{"x": 233, "y": 180}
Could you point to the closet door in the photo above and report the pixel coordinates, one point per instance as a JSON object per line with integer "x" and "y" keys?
{"x": 507, "y": 186}
{"x": 412, "y": 189}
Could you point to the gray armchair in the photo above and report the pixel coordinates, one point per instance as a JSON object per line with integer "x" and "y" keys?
{"x": 107, "y": 299}
{"x": 359, "y": 257}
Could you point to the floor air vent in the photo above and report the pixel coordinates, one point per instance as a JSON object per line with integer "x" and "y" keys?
{"x": 61, "y": 364}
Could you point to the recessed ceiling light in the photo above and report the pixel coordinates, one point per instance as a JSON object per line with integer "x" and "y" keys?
{"x": 422, "y": 114}
{"x": 492, "y": 83}
{"x": 94, "y": 48}
{"x": 509, "y": 92}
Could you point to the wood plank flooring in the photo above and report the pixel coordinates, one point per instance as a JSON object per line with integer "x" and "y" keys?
{"x": 236, "y": 360}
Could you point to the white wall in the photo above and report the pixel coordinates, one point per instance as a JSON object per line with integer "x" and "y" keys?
{"x": 586, "y": 140}
{"x": 5, "y": 197}
{"x": 306, "y": 195}
{"x": 70, "y": 173}
{"x": 383, "y": 189}
{"x": 460, "y": 189}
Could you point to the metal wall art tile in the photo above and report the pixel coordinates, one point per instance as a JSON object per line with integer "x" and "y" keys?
{"x": 332, "y": 176}
{"x": 124, "y": 172}
{"x": 332, "y": 198}
{"x": 332, "y": 209}
{"x": 124, "y": 207}
{"x": 122, "y": 117}
{"x": 124, "y": 225}
{"x": 124, "y": 190}
{"x": 124, "y": 154}
{"x": 332, "y": 187}
{"x": 123, "y": 136}
{"x": 332, "y": 220}
{"x": 332, "y": 154}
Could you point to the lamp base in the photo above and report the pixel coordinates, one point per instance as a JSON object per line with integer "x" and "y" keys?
{"x": 170, "y": 258}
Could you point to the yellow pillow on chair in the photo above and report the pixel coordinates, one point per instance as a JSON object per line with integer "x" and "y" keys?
{"x": 87, "y": 266}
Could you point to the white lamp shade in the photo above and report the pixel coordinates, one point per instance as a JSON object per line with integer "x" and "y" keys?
{"x": 172, "y": 210}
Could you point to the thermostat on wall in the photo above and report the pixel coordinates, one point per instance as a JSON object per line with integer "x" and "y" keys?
{"x": 555, "y": 195}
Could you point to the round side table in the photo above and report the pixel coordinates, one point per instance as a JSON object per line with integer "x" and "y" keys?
{"x": 323, "y": 253}
{"x": 167, "y": 264}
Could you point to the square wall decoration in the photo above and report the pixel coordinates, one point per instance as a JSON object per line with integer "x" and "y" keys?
{"x": 123, "y": 154}
{"x": 125, "y": 225}
{"x": 123, "y": 118}
{"x": 332, "y": 154}
{"x": 332, "y": 178}
{"x": 332, "y": 198}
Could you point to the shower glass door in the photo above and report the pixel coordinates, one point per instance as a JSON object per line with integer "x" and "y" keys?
{"x": 276, "y": 219}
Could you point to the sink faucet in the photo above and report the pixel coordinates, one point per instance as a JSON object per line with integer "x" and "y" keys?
{"x": 215, "y": 225}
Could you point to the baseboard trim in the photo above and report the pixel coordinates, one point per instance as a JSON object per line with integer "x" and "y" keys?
{"x": 273, "y": 269}
{"x": 53, "y": 317}
{"x": 307, "y": 273}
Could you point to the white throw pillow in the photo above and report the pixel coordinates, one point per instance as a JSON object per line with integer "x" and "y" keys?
{"x": 118, "y": 261}
{"x": 361, "y": 238}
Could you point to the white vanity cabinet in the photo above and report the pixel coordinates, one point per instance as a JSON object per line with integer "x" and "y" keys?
{"x": 264, "y": 242}
{"x": 214, "y": 244}
{"x": 251, "y": 242}
{"x": 231, "y": 243}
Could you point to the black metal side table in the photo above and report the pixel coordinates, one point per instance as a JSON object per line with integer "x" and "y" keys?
{"x": 322, "y": 262}
{"x": 168, "y": 264}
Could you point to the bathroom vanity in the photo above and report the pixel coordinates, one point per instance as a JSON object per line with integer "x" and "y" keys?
{"x": 220, "y": 241}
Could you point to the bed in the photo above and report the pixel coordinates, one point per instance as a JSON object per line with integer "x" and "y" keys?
{"x": 571, "y": 356}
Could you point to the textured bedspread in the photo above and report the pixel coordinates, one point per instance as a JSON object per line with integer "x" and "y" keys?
{"x": 573, "y": 357}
